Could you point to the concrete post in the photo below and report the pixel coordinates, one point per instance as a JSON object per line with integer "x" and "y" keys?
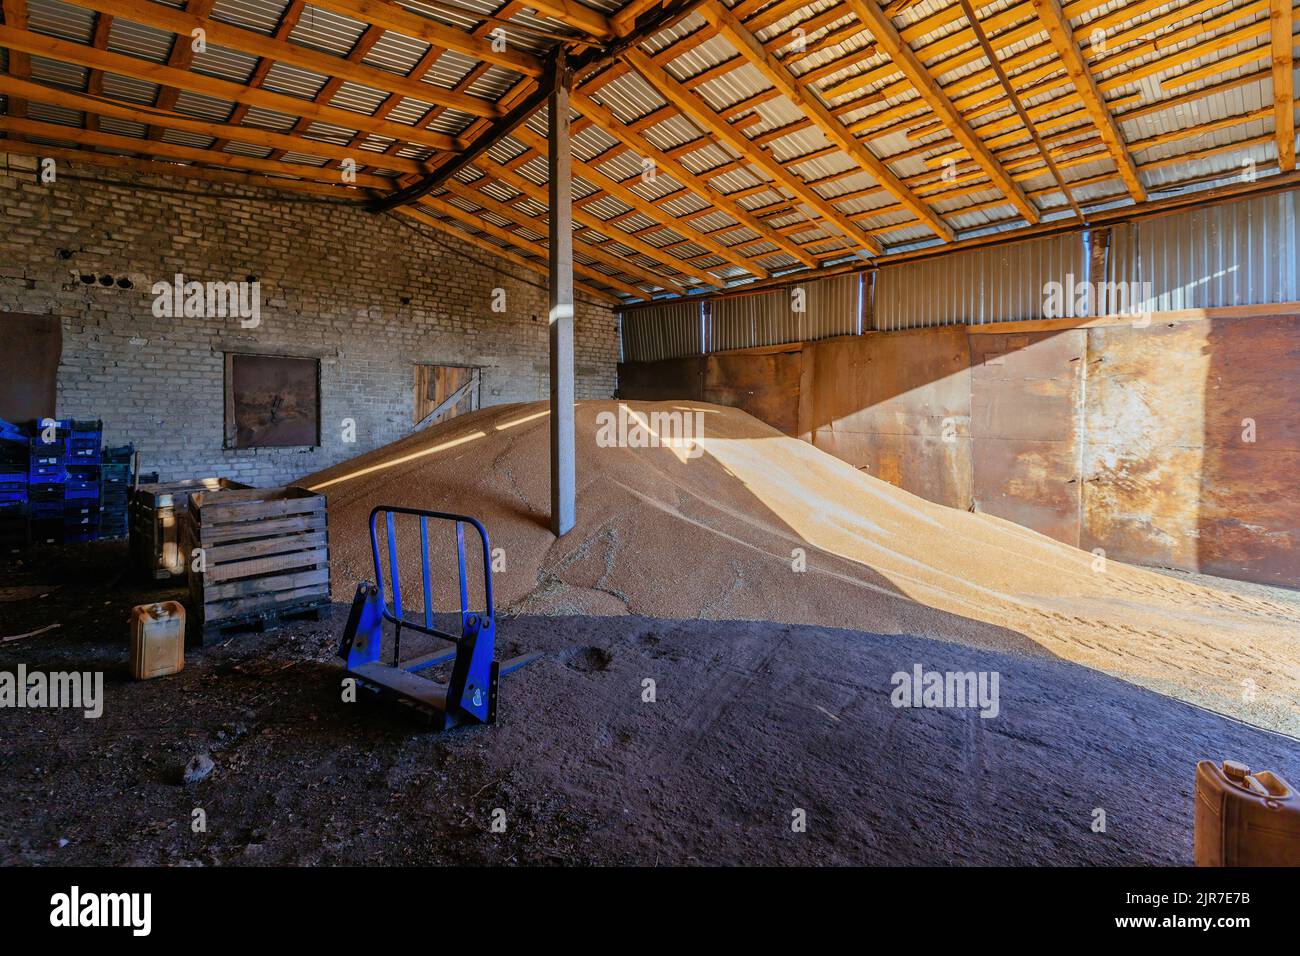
{"x": 563, "y": 467}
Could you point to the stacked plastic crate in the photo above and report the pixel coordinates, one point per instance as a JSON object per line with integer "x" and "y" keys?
{"x": 46, "y": 476}
{"x": 13, "y": 487}
{"x": 114, "y": 486}
{"x": 83, "y": 463}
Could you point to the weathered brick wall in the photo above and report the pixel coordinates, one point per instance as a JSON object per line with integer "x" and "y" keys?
{"x": 366, "y": 294}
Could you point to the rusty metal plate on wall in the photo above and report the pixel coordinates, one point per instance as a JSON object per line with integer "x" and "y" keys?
{"x": 766, "y": 385}
{"x": 29, "y": 365}
{"x": 1026, "y": 419}
{"x": 897, "y": 406}
{"x": 1175, "y": 473}
{"x": 666, "y": 380}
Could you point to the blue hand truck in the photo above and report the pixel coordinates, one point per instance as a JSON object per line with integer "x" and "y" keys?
{"x": 470, "y": 696}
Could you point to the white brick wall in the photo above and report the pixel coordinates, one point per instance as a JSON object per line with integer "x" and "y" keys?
{"x": 367, "y": 295}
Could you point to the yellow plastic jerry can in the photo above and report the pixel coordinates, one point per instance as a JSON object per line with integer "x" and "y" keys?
{"x": 1245, "y": 818}
{"x": 157, "y": 639}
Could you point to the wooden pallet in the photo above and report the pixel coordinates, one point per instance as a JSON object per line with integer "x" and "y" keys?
{"x": 265, "y": 557}
{"x": 157, "y": 515}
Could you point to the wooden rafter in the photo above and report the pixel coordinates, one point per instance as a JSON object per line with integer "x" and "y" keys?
{"x": 182, "y": 22}
{"x": 588, "y": 247}
{"x": 832, "y": 128}
{"x": 222, "y": 132}
{"x": 599, "y": 177}
{"x": 700, "y": 185}
{"x": 86, "y": 56}
{"x": 698, "y": 111}
{"x": 181, "y": 55}
{"x": 20, "y": 63}
{"x": 1282, "y": 41}
{"x": 95, "y": 78}
{"x": 574, "y": 14}
{"x": 501, "y": 173}
{"x": 392, "y": 17}
{"x": 533, "y": 265}
{"x": 190, "y": 154}
{"x": 889, "y": 39}
{"x": 173, "y": 170}
{"x": 1062, "y": 35}
{"x": 441, "y": 205}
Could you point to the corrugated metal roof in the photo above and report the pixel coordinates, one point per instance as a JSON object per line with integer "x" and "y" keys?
{"x": 1120, "y": 50}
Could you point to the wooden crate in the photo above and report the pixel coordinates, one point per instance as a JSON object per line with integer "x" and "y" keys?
{"x": 157, "y": 512}
{"x": 265, "y": 557}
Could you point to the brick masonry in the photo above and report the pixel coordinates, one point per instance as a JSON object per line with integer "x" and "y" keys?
{"x": 365, "y": 293}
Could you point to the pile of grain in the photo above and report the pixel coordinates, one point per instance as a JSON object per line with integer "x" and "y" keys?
{"x": 670, "y": 532}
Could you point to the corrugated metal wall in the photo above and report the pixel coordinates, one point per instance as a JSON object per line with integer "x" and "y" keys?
{"x": 666, "y": 331}
{"x": 993, "y": 284}
{"x": 1241, "y": 253}
{"x": 830, "y": 307}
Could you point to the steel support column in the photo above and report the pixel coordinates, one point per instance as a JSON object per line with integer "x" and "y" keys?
{"x": 563, "y": 468}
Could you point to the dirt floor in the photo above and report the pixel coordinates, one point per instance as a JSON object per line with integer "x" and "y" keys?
{"x": 717, "y": 530}
{"x": 751, "y": 722}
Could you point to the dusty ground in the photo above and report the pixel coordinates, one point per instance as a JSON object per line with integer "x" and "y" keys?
{"x": 714, "y": 531}
{"x": 751, "y": 721}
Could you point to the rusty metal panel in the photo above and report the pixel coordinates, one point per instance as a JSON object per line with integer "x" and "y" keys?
{"x": 679, "y": 378}
{"x": 898, "y": 407}
{"x": 1026, "y": 425}
{"x": 29, "y": 365}
{"x": 1170, "y": 478}
{"x": 764, "y": 384}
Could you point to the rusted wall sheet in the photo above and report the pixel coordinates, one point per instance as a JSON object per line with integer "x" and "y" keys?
{"x": 681, "y": 378}
{"x": 763, "y": 382}
{"x": 1026, "y": 420}
{"x": 1128, "y": 439}
{"x": 1170, "y": 477}
{"x": 29, "y": 365}
{"x": 766, "y": 385}
{"x": 898, "y": 407}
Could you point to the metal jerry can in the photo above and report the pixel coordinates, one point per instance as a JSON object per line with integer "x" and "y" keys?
{"x": 157, "y": 639}
{"x": 1245, "y": 818}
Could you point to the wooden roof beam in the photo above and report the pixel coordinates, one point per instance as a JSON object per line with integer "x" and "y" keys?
{"x": 538, "y": 266}
{"x": 1062, "y": 36}
{"x": 476, "y": 221}
{"x": 189, "y": 154}
{"x": 889, "y": 40}
{"x": 183, "y": 22}
{"x": 819, "y": 115}
{"x": 608, "y": 227}
{"x": 222, "y": 132}
{"x": 87, "y": 56}
{"x": 574, "y": 14}
{"x": 20, "y": 63}
{"x": 1282, "y": 40}
{"x": 700, "y": 185}
{"x": 392, "y": 17}
{"x": 699, "y": 112}
{"x": 598, "y": 177}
